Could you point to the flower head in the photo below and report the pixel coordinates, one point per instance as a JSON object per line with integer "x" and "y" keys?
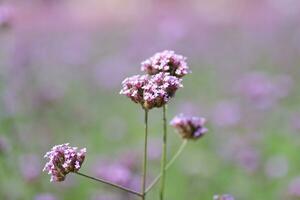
{"x": 63, "y": 159}
{"x": 223, "y": 197}
{"x": 189, "y": 127}
{"x": 166, "y": 61}
{"x": 151, "y": 91}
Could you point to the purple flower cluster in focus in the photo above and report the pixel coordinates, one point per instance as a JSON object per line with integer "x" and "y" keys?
{"x": 168, "y": 62}
{"x": 223, "y": 197}
{"x": 189, "y": 127}
{"x": 151, "y": 91}
{"x": 63, "y": 159}
{"x": 164, "y": 71}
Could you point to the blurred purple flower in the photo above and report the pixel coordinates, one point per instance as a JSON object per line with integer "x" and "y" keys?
{"x": 45, "y": 196}
{"x": 248, "y": 158}
{"x": 223, "y": 197}
{"x": 63, "y": 159}
{"x": 30, "y": 167}
{"x": 189, "y": 127}
{"x": 4, "y": 145}
{"x": 239, "y": 151}
{"x": 294, "y": 188}
{"x": 114, "y": 172}
{"x": 151, "y": 91}
{"x": 226, "y": 114}
{"x": 6, "y": 15}
{"x": 101, "y": 196}
{"x": 295, "y": 121}
{"x": 154, "y": 150}
{"x": 166, "y": 61}
{"x": 276, "y": 167}
{"x": 261, "y": 90}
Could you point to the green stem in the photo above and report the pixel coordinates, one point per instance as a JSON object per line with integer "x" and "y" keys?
{"x": 111, "y": 184}
{"x": 145, "y": 157}
{"x": 164, "y": 155}
{"x": 170, "y": 163}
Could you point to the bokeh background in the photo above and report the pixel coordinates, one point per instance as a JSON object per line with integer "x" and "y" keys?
{"x": 61, "y": 67}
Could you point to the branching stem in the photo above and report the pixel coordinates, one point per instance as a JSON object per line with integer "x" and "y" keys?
{"x": 111, "y": 184}
{"x": 164, "y": 155}
{"x": 170, "y": 163}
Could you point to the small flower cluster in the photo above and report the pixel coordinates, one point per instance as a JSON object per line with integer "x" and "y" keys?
{"x": 166, "y": 61}
{"x": 63, "y": 159}
{"x": 151, "y": 91}
{"x": 189, "y": 127}
{"x": 157, "y": 87}
{"x": 223, "y": 197}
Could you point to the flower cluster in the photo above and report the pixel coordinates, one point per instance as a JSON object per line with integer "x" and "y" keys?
{"x": 133, "y": 87}
{"x": 166, "y": 61}
{"x": 151, "y": 91}
{"x": 189, "y": 127}
{"x": 63, "y": 159}
{"x": 223, "y": 197}
{"x": 164, "y": 71}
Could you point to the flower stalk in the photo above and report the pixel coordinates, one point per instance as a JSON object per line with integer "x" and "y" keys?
{"x": 164, "y": 155}
{"x": 110, "y": 184}
{"x": 144, "y": 177}
{"x": 168, "y": 165}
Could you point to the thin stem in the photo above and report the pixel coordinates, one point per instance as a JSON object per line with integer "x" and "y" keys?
{"x": 170, "y": 163}
{"x": 164, "y": 155}
{"x": 111, "y": 184}
{"x": 145, "y": 157}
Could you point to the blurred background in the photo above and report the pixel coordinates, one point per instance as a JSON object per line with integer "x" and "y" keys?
{"x": 61, "y": 67}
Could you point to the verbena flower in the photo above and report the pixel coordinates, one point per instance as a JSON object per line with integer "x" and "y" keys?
{"x": 166, "y": 61}
{"x": 63, "y": 159}
{"x": 223, "y": 197}
{"x": 151, "y": 91}
{"x": 189, "y": 127}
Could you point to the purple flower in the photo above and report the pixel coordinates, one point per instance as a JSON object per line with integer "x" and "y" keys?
{"x": 223, "y": 197}
{"x": 151, "y": 91}
{"x": 63, "y": 159}
{"x": 262, "y": 90}
{"x": 133, "y": 87}
{"x": 4, "y": 145}
{"x": 6, "y": 15}
{"x": 31, "y": 170}
{"x": 45, "y": 196}
{"x": 189, "y": 127}
{"x": 226, "y": 114}
{"x": 114, "y": 172}
{"x": 166, "y": 61}
{"x": 294, "y": 187}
